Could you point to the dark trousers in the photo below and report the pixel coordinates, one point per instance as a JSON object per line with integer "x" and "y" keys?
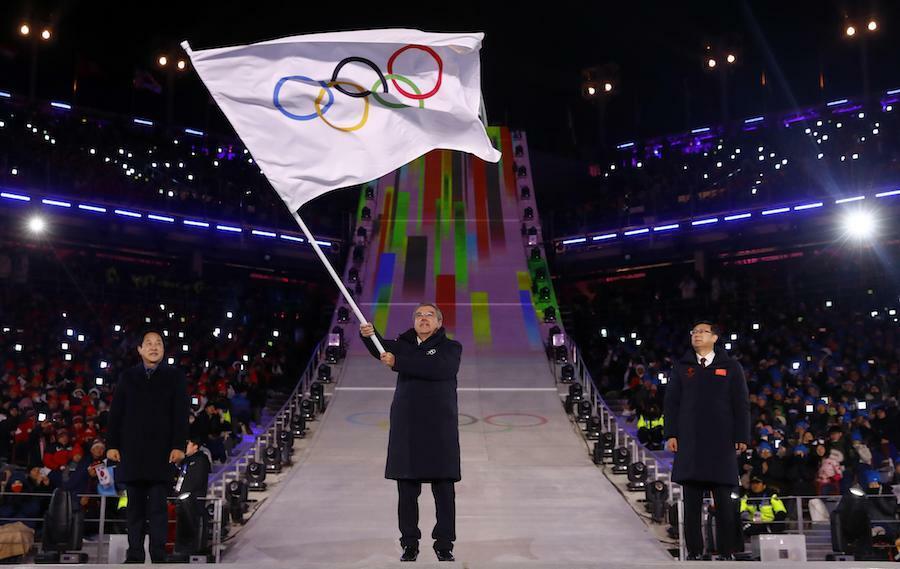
{"x": 444, "y": 533}
{"x": 147, "y": 503}
{"x": 725, "y": 516}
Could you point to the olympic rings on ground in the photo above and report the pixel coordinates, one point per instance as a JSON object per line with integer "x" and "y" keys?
{"x": 490, "y": 420}
{"x": 321, "y": 113}
{"x": 364, "y": 93}
{"x": 302, "y": 79}
{"x": 437, "y": 84}
{"x": 396, "y": 105}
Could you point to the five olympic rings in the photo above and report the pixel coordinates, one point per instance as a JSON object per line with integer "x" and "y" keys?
{"x": 356, "y": 91}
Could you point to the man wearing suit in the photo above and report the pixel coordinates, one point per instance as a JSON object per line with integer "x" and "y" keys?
{"x": 148, "y": 427}
{"x": 424, "y": 436}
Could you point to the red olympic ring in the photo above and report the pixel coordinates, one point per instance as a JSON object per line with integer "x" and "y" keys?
{"x": 433, "y": 54}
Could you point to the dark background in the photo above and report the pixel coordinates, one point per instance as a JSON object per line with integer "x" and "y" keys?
{"x": 532, "y": 56}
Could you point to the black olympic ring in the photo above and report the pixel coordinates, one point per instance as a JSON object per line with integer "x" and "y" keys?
{"x": 358, "y": 94}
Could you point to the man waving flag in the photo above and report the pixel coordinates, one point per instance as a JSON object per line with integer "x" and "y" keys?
{"x": 320, "y": 112}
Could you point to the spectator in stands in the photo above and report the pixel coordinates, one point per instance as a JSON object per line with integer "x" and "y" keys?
{"x": 707, "y": 419}
{"x": 882, "y": 508}
{"x": 650, "y": 427}
{"x": 147, "y": 430}
{"x": 191, "y": 488}
{"x": 761, "y": 510}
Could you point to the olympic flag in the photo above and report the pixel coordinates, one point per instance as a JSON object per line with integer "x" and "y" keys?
{"x": 325, "y": 111}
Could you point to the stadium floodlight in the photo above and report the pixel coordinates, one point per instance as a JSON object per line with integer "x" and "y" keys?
{"x": 37, "y": 224}
{"x": 859, "y": 225}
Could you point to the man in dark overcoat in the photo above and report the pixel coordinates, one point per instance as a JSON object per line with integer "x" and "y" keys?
{"x": 148, "y": 428}
{"x": 423, "y": 444}
{"x": 707, "y": 421}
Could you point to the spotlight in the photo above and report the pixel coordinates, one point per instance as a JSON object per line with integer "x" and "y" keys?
{"x": 711, "y": 63}
{"x": 859, "y": 225}
{"x": 25, "y": 29}
{"x": 637, "y": 476}
{"x": 45, "y": 35}
{"x": 576, "y": 394}
{"x": 584, "y": 411}
{"x": 535, "y": 254}
{"x": 272, "y": 459}
{"x": 851, "y": 31}
{"x": 298, "y": 425}
{"x": 607, "y": 87}
{"x": 181, "y": 65}
{"x": 163, "y": 61}
{"x": 621, "y": 460}
{"x": 237, "y": 498}
{"x": 561, "y": 354}
{"x": 286, "y": 447}
{"x": 308, "y": 410}
{"x": 37, "y": 224}
{"x": 731, "y": 58}
{"x": 656, "y": 494}
{"x": 549, "y": 315}
{"x": 544, "y": 294}
{"x": 594, "y": 427}
{"x": 591, "y": 91}
{"x": 603, "y": 449}
{"x": 567, "y": 373}
{"x": 873, "y": 25}
{"x": 256, "y": 474}
{"x": 324, "y": 373}
{"x": 332, "y": 354}
{"x": 317, "y": 394}
{"x": 343, "y": 315}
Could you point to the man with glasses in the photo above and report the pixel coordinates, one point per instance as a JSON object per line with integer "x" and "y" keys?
{"x": 423, "y": 444}
{"x": 707, "y": 421}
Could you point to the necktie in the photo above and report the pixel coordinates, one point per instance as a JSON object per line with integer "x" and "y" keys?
{"x": 702, "y": 362}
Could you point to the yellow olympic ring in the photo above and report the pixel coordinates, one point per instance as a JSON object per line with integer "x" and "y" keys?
{"x": 322, "y": 93}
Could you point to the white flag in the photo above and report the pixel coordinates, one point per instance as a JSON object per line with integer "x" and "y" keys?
{"x": 320, "y": 112}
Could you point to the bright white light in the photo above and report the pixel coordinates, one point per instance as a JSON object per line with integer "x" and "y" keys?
{"x": 755, "y": 326}
{"x": 851, "y": 31}
{"x": 70, "y": 332}
{"x": 734, "y": 336}
{"x": 591, "y": 91}
{"x": 275, "y": 333}
{"x": 859, "y": 224}
{"x": 829, "y": 304}
{"x": 730, "y": 58}
{"x": 18, "y": 347}
{"x": 246, "y": 358}
{"x": 795, "y": 365}
{"x": 37, "y": 224}
{"x": 24, "y": 30}
{"x": 104, "y": 365}
{"x": 711, "y": 63}
{"x": 185, "y": 348}
{"x": 117, "y": 328}
{"x": 171, "y": 361}
{"x": 607, "y": 87}
{"x": 163, "y": 60}
{"x": 45, "y": 34}
{"x": 873, "y": 25}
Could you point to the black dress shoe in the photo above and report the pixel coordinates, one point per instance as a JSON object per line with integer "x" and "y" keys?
{"x": 444, "y": 555}
{"x": 409, "y": 554}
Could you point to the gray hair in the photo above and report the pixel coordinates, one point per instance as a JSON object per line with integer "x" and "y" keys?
{"x": 437, "y": 311}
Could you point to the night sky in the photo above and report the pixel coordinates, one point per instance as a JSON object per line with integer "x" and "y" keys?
{"x": 532, "y": 58}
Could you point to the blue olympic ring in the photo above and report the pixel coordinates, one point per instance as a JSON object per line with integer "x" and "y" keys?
{"x": 301, "y": 78}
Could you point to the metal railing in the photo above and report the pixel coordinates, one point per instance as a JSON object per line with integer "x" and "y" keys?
{"x": 233, "y": 469}
{"x": 800, "y": 518}
{"x": 99, "y": 541}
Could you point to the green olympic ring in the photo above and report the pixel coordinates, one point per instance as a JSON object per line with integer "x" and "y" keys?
{"x": 402, "y": 79}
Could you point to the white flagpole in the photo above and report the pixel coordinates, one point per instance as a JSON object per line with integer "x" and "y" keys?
{"x": 334, "y": 275}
